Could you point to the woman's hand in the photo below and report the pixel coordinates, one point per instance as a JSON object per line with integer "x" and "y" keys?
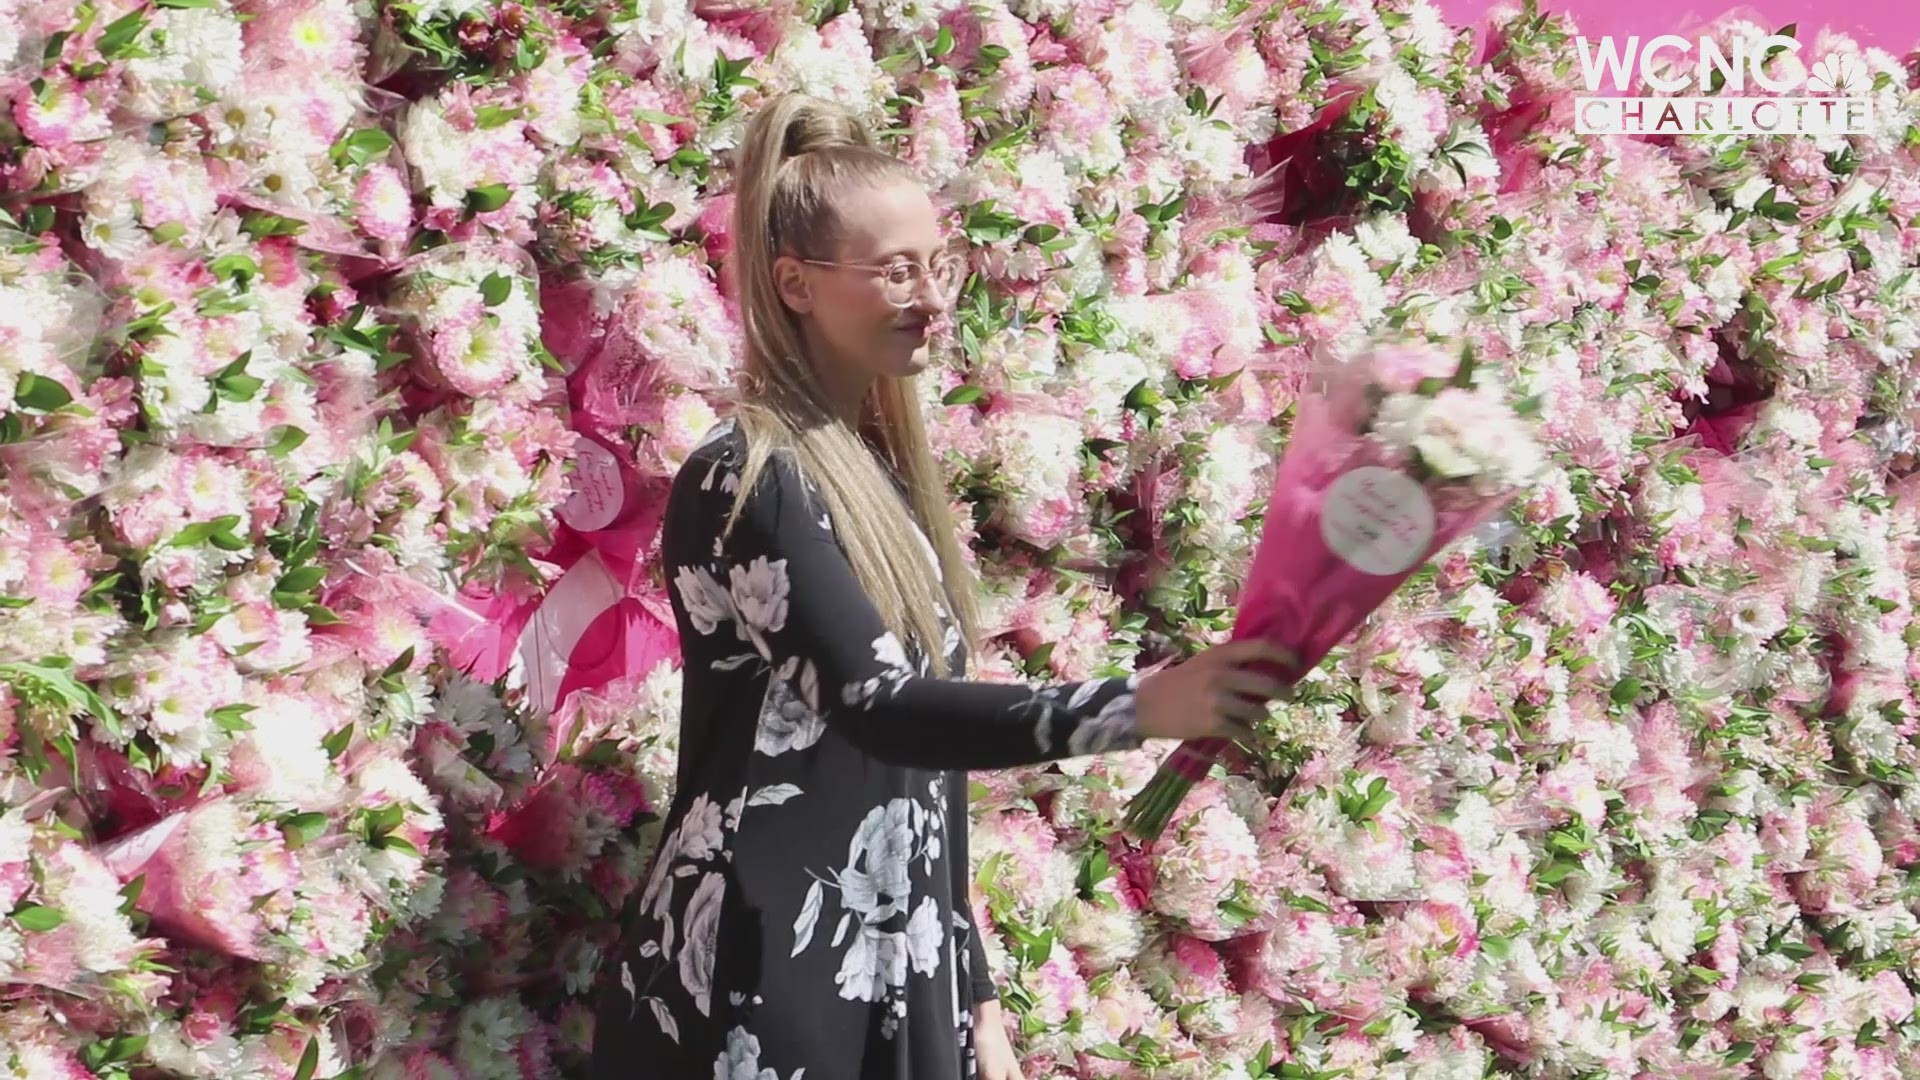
{"x": 992, "y": 1050}
{"x": 1216, "y": 694}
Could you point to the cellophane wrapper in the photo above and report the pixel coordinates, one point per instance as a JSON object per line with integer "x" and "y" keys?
{"x": 1396, "y": 454}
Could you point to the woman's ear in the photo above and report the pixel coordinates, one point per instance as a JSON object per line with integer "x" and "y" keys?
{"x": 791, "y": 282}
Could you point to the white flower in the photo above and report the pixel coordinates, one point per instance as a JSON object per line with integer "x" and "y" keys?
{"x": 876, "y": 961}
{"x": 883, "y": 845}
{"x": 707, "y": 603}
{"x": 786, "y": 723}
{"x": 760, "y": 595}
{"x": 198, "y": 46}
{"x": 1461, "y": 434}
{"x": 13, "y": 950}
{"x": 1106, "y": 934}
{"x": 702, "y": 925}
{"x": 741, "y": 1059}
{"x": 926, "y": 937}
{"x": 700, "y": 833}
{"x": 1385, "y": 237}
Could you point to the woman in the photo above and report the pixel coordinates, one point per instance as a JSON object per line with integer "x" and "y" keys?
{"x": 807, "y": 910}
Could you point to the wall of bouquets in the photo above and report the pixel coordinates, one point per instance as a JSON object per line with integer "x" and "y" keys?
{"x": 346, "y": 348}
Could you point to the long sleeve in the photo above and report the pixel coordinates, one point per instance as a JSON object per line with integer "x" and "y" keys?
{"x": 980, "y": 972}
{"x": 782, "y": 588}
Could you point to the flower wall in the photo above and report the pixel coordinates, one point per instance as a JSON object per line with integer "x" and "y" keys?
{"x": 338, "y": 337}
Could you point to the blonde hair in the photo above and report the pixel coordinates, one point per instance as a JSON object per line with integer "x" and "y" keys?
{"x": 797, "y": 159}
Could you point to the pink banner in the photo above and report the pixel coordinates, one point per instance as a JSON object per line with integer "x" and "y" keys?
{"x": 1893, "y": 25}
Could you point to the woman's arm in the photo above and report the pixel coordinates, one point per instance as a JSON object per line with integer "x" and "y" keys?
{"x": 782, "y": 588}
{"x": 984, "y": 990}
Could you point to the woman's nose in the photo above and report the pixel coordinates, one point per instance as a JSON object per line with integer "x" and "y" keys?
{"x": 928, "y": 299}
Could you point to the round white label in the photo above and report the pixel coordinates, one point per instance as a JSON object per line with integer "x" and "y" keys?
{"x": 1378, "y": 520}
{"x": 598, "y": 492}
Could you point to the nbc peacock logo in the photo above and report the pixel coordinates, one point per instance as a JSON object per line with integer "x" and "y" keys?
{"x": 1841, "y": 75}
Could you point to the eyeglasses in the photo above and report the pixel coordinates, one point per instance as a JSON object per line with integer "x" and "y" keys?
{"x": 901, "y": 281}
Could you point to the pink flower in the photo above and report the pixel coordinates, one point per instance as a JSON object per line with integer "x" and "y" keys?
{"x": 382, "y": 205}
{"x": 939, "y": 145}
{"x": 63, "y": 112}
{"x": 1198, "y": 871}
{"x": 1196, "y": 958}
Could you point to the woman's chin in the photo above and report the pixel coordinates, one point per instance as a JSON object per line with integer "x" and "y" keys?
{"x": 910, "y": 362}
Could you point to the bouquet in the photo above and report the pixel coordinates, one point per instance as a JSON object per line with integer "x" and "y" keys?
{"x": 216, "y": 876}
{"x": 1403, "y": 450}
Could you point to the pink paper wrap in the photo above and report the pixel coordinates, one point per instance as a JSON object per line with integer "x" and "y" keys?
{"x": 1348, "y": 521}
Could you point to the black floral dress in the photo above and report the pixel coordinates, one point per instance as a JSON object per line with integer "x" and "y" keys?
{"x": 806, "y": 916}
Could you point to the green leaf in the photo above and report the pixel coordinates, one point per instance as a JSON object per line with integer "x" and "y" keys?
{"x": 41, "y": 393}
{"x": 386, "y": 819}
{"x": 1556, "y": 872}
{"x": 201, "y": 532}
{"x": 290, "y": 439}
{"x": 232, "y": 718}
{"x": 130, "y": 894}
{"x": 303, "y": 829}
{"x": 1626, "y": 690}
{"x": 37, "y": 919}
{"x": 117, "y": 39}
{"x": 1301, "y": 902}
{"x": 963, "y": 394}
{"x": 1144, "y": 396}
{"x": 1463, "y": 375}
{"x": 309, "y": 1061}
{"x": 1739, "y": 1052}
{"x": 943, "y": 44}
{"x": 337, "y": 743}
{"x": 239, "y": 269}
{"x": 300, "y": 580}
{"x": 400, "y": 663}
{"x": 985, "y": 225}
{"x": 396, "y": 843}
{"x": 362, "y": 146}
{"x": 1234, "y": 913}
{"x": 52, "y": 677}
{"x": 1041, "y": 234}
{"x": 495, "y": 288}
{"x": 234, "y": 384}
{"x": 120, "y": 1048}
{"x": 488, "y": 117}
{"x": 181, "y": 5}
{"x": 528, "y": 54}
{"x": 1036, "y": 663}
{"x": 488, "y": 198}
{"x": 260, "y": 225}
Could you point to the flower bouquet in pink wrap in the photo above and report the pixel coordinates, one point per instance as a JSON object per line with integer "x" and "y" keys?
{"x": 217, "y": 876}
{"x": 1400, "y": 452}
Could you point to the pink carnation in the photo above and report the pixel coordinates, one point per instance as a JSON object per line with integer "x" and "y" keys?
{"x": 382, "y": 205}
